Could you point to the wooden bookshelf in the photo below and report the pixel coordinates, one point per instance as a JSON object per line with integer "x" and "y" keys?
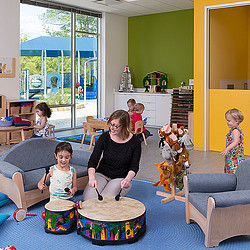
{"x": 14, "y": 108}
{"x": 182, "y": 103}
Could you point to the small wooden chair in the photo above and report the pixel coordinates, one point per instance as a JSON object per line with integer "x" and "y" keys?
{"x": 139, "y": 126}
{"x": 51, "y": 132}
{"x": 92, "y": 135}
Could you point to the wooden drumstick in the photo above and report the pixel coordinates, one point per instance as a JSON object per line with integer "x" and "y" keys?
{"x": 118, "y": 195}
{"x": 47, "y": 171}
{"x": 100, "y": 198}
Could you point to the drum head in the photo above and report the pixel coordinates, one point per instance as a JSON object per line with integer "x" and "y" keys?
{"x": 59, "y": 205}
{"x": 19, "y": 214}
{"x": 110, "y": 210}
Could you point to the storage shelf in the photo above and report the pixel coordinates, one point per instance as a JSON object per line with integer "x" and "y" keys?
{"x": 182, "y": 103}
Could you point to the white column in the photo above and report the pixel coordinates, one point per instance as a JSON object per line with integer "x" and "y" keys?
{"x": 62, "y": 78}
{"x": 45, "y": 73}
{"x": 79, "y": 67}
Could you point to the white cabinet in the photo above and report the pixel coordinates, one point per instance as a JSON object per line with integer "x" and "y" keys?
{"x": 157, "y": 106}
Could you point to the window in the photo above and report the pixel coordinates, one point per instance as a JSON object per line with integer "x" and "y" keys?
{"x": 58, "y": 62}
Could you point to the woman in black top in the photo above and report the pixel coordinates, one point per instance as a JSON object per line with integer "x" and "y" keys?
{"x": 121, "y": 153}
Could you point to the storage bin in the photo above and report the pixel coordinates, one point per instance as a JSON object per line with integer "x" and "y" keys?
{"x": 15, "y": 110}
{"x": 5, "y": 123}
{"x": 26, "y": 109}
{"x": 28, "y": 133}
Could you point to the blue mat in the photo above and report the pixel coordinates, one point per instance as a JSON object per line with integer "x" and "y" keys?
{"x": 77, "y": 138}
{"x": 166, "y": 228}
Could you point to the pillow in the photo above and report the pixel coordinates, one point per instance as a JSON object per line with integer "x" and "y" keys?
{"x": 3, "y": 218}
{"x": 3, "y": 199}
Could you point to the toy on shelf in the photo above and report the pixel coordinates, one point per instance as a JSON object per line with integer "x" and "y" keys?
{"x": 18, "y": 121}
{"x": 126, "y": 85}
{"x": 6, "y": 121}
{"x": 175, "y": 144}
{"x": 155, "y": 82}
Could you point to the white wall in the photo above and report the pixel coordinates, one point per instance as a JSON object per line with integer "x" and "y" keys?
{"x": 114, "y": 40}
{"x": 9, "y": 44}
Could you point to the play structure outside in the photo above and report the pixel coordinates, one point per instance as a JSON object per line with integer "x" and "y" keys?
{"x": 42, "y": 85}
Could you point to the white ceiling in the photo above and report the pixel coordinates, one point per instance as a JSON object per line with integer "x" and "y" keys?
{"x": 131, "y": 7}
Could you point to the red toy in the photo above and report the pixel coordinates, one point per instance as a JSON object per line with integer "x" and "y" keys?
{"x": 18, "y": 121}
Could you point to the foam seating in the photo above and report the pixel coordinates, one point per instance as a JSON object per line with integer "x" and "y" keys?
{"x": 219, "y": 203}
{"x": 22, "y": 166}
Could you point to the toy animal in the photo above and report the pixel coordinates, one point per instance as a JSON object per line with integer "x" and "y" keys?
{"x": 169, "y": 138}
{"x": 166, "y": 175}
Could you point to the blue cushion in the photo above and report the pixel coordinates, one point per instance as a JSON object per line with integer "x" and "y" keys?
{"x": 211, "y": 183}
{"x": 233, "y": 198}
{"x": 3, "y": 218}
{"x": 3, "y": 199}
{"x": 243, "y": 174}
{"x": 199, "y": 201}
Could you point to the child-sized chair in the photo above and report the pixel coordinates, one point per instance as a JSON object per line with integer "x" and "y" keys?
{"x": 139, "y": 126}
{"x": 51, "y": 132}
{"x": 219, "y": 203}
{"x": 92, "y": 134}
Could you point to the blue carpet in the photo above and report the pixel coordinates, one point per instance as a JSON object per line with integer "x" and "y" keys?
{"x": 166, "y": 228}
{"x": 77, "y": 138}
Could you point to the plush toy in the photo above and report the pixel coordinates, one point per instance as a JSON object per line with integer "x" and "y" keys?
{"x": 169, "y": 138}
{"x": 166, "y": 175}
{"x": 168, "y": 154}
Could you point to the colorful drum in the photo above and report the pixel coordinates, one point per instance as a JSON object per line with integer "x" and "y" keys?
{"x": 110, "y": 221}
{"x": 59, "y": 217}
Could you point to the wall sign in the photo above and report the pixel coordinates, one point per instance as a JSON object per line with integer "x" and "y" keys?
{"x": 7, "y": 67}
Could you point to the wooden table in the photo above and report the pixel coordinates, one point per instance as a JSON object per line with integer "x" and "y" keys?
{"x": 14, "y": 129}
{"x": 90, "y": 129}
{"x": 98, "y": 125}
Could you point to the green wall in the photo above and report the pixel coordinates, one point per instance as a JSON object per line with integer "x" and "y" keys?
{"x": 162, "y": 42}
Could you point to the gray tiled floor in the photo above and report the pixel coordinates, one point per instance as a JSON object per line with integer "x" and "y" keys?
{"x": 201, "y": 162}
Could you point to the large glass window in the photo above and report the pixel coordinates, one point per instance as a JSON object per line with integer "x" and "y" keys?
{"x": 46, "y": 63}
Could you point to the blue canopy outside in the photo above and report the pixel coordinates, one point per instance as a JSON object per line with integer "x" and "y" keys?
{"x": 54, "y": 45}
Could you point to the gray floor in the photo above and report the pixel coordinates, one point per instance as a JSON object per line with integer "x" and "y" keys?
{"x": 201, "y": 162}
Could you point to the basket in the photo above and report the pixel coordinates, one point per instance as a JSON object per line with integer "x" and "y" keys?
{"x": 26, "y": 109}
{"x": 15, "y": 110}
{"x": 5, "y": 123}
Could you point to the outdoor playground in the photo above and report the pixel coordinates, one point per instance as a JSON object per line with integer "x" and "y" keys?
{"x": 42, "y": 85}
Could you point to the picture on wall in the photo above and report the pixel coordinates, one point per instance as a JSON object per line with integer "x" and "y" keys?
{"x": 7, "y": 67}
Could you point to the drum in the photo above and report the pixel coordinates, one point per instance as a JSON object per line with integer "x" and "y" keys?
{"x": 110, "y": 221}
{"x": 59, "y": 217}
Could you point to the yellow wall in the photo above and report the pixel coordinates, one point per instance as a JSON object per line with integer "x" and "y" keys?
{"x": 228, "y": 45}
{"x": 220, "y": 100}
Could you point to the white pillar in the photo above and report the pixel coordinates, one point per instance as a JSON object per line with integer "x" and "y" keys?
{"x": 62, "y": 78}
{"x": 45, "y": 73}
{"x": 79, "y": 67}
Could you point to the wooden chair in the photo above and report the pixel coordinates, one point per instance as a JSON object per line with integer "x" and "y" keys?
{"x": 51, "y": 132}
{"x": 139, "y": 126}
{"x": 92, "y": 134}
{"x": 219, "y": 203}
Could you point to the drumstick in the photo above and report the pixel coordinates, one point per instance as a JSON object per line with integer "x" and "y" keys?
{"x": 100, "y": 198}
{"x": 118, "y": 195}
{"x": 47, "y": 171}
{"x": 66, "y": 190}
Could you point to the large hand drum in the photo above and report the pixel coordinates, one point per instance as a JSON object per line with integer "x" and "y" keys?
{"x": 59, "y": 217}
{"x": 110, "y": 221}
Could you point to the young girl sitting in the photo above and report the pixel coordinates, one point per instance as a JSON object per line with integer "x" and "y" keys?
{"x": 131, "y": 106}
{"x": 42, "y": 124}
{"x": 139, "y": 108}
{"x": 234, "y": 151}
{"x": 62, "y": 176}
